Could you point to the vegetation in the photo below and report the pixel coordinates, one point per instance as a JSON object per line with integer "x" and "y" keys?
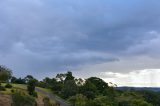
{"x": 8, "y": 85}
{"x": 96, "y": 92}
{"x": 21, "y": 99}
{"x": 2, "y": 88}
{"x": 47, "y": 102}
{"x": 5, "y": 74}
{"x": 92, "y": 91}
{"x": 31, "y": 87}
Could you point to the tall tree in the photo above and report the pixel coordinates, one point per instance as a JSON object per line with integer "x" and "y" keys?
{"x": 28, "y": 77}
{"x": 69, "y": 76}
{"x": 70, "y": 89}
{"x": 88, "y": 89}
{"x": 99, "y": 83}
{"x": 5, "y": 74}
{"x": 61, "y": 77}
{"x": 31, "y": 86}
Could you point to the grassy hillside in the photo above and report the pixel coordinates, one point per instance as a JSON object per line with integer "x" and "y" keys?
{"x": 6, "y": 96}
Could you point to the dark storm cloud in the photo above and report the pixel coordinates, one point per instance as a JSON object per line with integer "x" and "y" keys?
{"x": 41, "y": 35}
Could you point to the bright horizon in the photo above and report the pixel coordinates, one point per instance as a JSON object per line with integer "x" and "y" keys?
{"x": 116, "y": 40}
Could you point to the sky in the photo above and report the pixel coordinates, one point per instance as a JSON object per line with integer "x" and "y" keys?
{"x": 117, "y": 40}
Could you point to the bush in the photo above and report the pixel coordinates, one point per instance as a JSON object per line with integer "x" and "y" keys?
{"x": 139, "y": 103}
{"x": 78, "y": 100}
{"x": 35, "y": 94}
{"x": 8, "y": 86}
{"x": 31, "y": 86}
{"x": 21, "y": 99}
{"x": 2, "y": 88}
{"x": 103, "y": 101}
{"x": 47, "y": 102}
{"x": 12, "y": 90}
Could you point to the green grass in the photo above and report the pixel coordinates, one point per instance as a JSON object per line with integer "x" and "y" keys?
{"x": 3, "y": 84}
{"x": 19, "y": 87}
{"x": 44, "y": 89}
{"x": 7, "y": 91}
{"x": 23, "y": 87}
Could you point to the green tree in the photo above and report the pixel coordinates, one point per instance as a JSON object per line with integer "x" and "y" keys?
{"x": 101, "y": 101}
{"x": 89, "y": 90}
{"x": 70, "y": 89}
{"x": 61, "y": 77}
{"x": 28, "y": 77}
{"x": 31, "y": 86}
{"x": 151, "y": 97}
{"x": 69, "y": 76}
{"x": 13, "y": 79}
{"x": 19, "y": 81}
{"x": 5, "y": 74}
{"x": 78, "y": 100}
{"x": 99, "y": 83}
{"x": 138, "y": 102}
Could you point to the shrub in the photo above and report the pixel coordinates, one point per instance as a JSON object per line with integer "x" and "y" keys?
{"x": 78, "y": 100}
{"x": 139, "y": 103}
{"x": 35, "y": 94}
{"x": 2, "y": 88}
{"x": 31, "y": 86}
{"x": 12, "y": 90}
{"x": 8, "y": 86}
{"x": 47, "y": 102}
{"x": 20, "y": 99}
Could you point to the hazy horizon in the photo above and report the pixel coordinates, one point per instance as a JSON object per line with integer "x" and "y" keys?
{"x": 117, "y": 40}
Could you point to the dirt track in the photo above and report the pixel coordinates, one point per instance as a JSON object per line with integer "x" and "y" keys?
{"x": 53, "y": 97}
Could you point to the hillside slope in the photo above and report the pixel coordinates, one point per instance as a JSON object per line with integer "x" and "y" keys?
{"x": 5, "y": 100}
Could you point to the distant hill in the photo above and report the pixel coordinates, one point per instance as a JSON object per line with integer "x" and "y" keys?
{"x": 155, "y": 89}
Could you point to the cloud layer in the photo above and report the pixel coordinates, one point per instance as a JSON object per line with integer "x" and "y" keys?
{"x": 139, "y": 78}
{"x": 51, "y": 36}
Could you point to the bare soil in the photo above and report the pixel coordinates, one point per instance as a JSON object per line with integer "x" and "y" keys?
{"x": 5, "y": 100}
{"x": 39, "y": 101}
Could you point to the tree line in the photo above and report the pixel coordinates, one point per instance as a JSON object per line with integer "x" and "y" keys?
{"x": 92, "y": 91}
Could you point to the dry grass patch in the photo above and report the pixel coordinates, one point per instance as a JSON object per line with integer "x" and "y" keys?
{"x": 39, "y": 100}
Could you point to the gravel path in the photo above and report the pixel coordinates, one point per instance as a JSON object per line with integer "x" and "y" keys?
{"x": 53, "y": 97}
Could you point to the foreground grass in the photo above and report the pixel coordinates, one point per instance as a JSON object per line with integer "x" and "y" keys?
{"x": 23, "y": 88}
{"x": 7, "y": 91}
{"x": 19, "y": 87}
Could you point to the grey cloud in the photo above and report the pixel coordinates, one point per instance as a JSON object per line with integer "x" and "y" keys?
{"x": 52, "y": 35}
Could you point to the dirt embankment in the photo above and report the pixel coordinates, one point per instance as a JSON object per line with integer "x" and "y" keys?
{"x": 5, "y": 100}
